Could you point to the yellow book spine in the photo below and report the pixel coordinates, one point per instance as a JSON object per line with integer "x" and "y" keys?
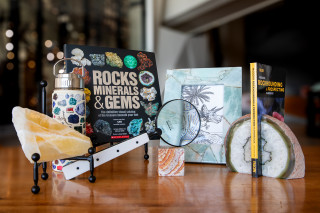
{"x": 254, "y": 119}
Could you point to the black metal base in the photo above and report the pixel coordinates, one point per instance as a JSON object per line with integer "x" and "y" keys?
{"x": 35, "y": 188}
{"x": 146, "y": 156}
{"x": 91, "y": 151}
{"x": 44, "y": 176}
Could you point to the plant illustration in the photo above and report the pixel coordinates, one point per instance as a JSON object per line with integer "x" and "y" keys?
{"x": 196, "y": 94}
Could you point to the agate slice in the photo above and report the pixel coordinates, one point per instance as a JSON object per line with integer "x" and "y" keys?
{"x": 171, "y": 161}
{"x": 39, "y": 133}
{"x": 282, "y": 156}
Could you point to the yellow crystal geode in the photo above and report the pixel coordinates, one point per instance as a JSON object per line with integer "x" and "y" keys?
{"x": 39, "y": 133}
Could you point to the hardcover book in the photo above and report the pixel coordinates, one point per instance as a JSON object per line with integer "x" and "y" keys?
{"x": 216, "y": 93}
{"x": 267, "y": 97}
{"x": 122, "y": 91}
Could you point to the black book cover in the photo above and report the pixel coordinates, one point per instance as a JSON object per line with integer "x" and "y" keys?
{"x": 122, "y": 91}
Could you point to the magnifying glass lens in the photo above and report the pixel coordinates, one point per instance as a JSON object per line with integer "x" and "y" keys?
{"x": 179, "y": 122}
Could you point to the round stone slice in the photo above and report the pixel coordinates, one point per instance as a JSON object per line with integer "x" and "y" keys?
{"x": 282, "y": 156}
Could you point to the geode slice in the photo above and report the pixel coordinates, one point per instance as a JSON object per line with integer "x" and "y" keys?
{"x": 102, "y": 127}
{"x": 282, "y": 156}
{"x": 146, "y": 78}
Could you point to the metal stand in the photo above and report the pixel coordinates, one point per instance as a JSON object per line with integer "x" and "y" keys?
{"x": 90, "y": 159}
{"x": 36, "y": 157}
{"x": 35, "y": 188}
{"x": 146, "y": 156}
{"x": 43, "y": 85}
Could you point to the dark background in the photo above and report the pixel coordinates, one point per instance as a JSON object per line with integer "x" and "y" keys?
{"x": 284, "y": 35}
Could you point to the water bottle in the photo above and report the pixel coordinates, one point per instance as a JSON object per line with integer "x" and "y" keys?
{"x": 68, "y": 103}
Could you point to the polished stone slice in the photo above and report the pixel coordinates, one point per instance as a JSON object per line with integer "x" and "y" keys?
{"x": 281, "y": 153}
{"x": 39, "y": 133}
{"x": 171, "y": 161}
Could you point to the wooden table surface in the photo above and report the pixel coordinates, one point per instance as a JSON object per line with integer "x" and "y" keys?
{"x": 129, "y": 183}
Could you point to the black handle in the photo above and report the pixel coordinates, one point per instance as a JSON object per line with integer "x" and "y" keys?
{"x": 43, "y": 85}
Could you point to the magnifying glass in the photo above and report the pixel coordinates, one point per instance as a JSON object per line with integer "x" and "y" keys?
{"x": 177, "y": 123}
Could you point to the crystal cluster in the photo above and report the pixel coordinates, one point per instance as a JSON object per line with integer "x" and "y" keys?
{"x": 135, "y": 127}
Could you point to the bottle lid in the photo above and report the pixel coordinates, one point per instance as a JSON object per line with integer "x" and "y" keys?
{"x": 64, "y": 80}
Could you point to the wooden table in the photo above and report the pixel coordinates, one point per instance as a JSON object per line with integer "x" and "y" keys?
{"x": 131, "y": 184}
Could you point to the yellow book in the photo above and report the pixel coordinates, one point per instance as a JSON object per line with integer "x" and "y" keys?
{"x": 267, "y": 98}
{"x": 255, "y": 165}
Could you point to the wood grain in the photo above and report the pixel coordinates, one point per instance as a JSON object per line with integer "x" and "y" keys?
{"x": 129, "y": 183}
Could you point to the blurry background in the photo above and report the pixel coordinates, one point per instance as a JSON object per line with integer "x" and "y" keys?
{"x": 182, "y": 33}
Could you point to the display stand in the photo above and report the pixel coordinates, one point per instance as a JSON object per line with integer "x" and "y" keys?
{"x": 35, "y": 157}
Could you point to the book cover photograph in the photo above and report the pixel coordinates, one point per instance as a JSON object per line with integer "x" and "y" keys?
{"x": 267, "y": 98}
{"x": 122, "y": 91}
{"x": 216, "y": 93}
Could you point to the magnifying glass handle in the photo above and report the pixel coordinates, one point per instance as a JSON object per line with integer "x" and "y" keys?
{"x": 157, "y": 132}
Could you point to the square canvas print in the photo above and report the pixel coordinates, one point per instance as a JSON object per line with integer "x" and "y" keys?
{"x": 216, "y": 93}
